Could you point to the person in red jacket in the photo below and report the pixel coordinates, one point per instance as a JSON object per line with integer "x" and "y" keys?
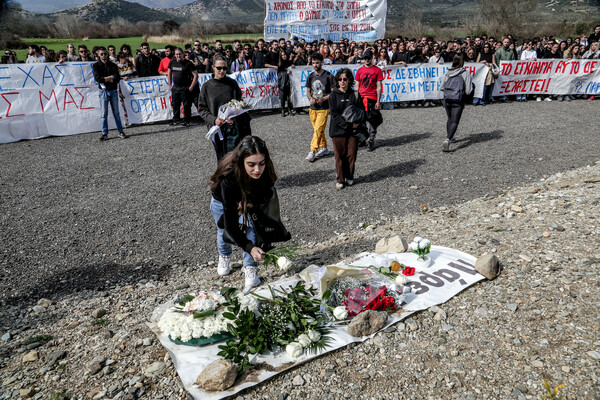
{"x": 369, "y": 79}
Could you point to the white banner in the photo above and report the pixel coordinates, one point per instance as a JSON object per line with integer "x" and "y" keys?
{"x": 149, "y": 99}
{"x": 51, "y": 99}
{"x": 355, "y": 20}
{"x": 450, "y": 272}
{"x": 410, "y": 83}
{"x": 548, "y": 77}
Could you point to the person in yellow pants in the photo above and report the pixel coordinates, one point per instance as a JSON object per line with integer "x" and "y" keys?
{"x": 318, "y": 87}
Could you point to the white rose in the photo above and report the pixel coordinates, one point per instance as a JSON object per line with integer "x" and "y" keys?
{"x": 340, "y": 313}
{"x": 401, "y": 280}
{"x": 313, "y": 335}
{"x": 284, "y": 263}
{"x": 414, "y": 246}
{"x": 304, "y": 340}
{"x": 294, "y": 349}
{"x": 423, "y": 243}
{"x": 417, "y": 239}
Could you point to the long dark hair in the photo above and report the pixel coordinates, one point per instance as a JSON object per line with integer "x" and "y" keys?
{"x": 457, "y": 62}
{"x": 233, "y": 163}
{"x": 349, "y": 75}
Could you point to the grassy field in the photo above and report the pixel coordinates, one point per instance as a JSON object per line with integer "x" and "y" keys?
{"x": 57, "y": 44}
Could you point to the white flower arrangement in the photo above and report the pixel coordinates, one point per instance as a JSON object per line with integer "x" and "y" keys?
{"x": 340, "y": 313}
{"x": 284, "y": 263}
{"x": 401, "y": 280}
{"x": 200, "y": 316}
{"x": 421, "y": 247}
{"x": 233, "y": 108}
{"x": 304, "y": 340}
{"x": 294, "y": 349}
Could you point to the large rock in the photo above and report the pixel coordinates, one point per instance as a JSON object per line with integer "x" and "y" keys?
{"x": 217, "y": 376}
{"x": 395, "y": 243}
{"x": 155, "y": 369}
{"x": 488, "y": 266}
{"x": 367, "y": 323}
{"x": 31, "y": 356}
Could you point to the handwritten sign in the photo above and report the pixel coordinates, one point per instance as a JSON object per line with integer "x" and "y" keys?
{"x": 548, "y": 77}
{"x": 325, "y": 19}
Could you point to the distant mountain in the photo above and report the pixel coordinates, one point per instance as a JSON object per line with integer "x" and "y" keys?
{"x": 103, "y": 11}
{"x": 429, "y": 12}
{"x": 59, "y": 5}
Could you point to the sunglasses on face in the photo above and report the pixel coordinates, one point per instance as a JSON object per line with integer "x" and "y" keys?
{"x": 343, "y": 79}
{"x": 259, "y": 144}
{"x": 103, "y": 54}
{"x": 221, "y": 68}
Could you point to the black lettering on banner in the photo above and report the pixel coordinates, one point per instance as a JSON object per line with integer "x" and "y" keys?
{"x": 430, "y": 280}
{"x": 462, "y": 268}
{"x": 448, "y": 275}
{"x": 419, "y": 288}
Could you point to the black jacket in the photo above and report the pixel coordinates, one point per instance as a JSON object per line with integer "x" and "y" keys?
{"x": 230, "y": 195}
{"x": 338, "y": 101}
{"x": 147, "y": 66}
{"x": 102, "y": 70}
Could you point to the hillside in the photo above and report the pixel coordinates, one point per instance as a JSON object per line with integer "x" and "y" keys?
{"x": 431, "y": 12}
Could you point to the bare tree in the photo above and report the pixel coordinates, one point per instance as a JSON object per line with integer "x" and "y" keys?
{"x": 505, "y": 15}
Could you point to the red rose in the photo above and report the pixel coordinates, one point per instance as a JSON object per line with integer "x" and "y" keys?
{"x": 408, "y": 271}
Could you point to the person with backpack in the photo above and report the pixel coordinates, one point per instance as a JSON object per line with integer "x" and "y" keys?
{"x": 456, "y": 84}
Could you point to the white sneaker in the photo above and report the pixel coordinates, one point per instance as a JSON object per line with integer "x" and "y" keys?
{"x": 538, "y": 98}
{"x": 252, "y": 278}
{"x": 349, "y": 182}
{"x": 223, "y": 266}
{"x": 547, "y": 99}
{"x": 311, "y": 156}
{"x": 339, "y": 185}
{"x": 323, "y": 151}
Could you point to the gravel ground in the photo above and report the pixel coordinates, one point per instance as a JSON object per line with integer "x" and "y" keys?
{"x": 120, "y": 226}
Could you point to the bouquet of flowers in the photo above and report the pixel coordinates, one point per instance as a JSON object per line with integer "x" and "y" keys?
{"x": 231, "y": 109}
{"x": 281, "y": 256}
{"x": 421, "y": 247}
{"x": 200, "y": 316}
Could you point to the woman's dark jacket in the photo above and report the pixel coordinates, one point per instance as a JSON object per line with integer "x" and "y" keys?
{"x": 338, "y": 101}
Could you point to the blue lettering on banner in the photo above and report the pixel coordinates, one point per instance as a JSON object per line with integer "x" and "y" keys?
{"x": 62, "y": 75}
{"x": 28, "y": 75}
{"x": 148, "y": 86}
{"x": 83, "y": 73}
{"x": 44, "y": 76}
{"x": 592, "y": 88}
{"x": 413, "y": 86}
{"x": 5, "y": 77}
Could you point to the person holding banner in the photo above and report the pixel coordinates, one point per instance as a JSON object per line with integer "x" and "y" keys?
{"x": 213, "y": 94}
{"x": 369, "y": 79}
{"x": 456, "y": 85}
{"x": 318, "y": 87}
{"x": 106, "y": 73}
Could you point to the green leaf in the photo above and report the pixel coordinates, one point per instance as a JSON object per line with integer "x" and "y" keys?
{"x": 326, "y": 295}
{"x": 202, "y": 314}
{"x": 232, "y": 330}
{"x": 385, "y": 270}
{"x": 229, "y": 315}
{"x": 251, "y": 349}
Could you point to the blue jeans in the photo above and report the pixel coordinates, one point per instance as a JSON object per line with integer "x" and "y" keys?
{"x": 111, "y": 96}
{"x": 216, "y": 207}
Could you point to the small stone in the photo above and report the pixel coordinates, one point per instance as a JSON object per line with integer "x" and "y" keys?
{"x": 401, "y": 327}
{"x": 95, "y": 367}
{"x": 488, "y": 266}
{"x": 34, "y": 345}
{"x": 147, "y": 341}
{"x": 414, "y": 187}
{"x": 525, "y": 258}
{"x": 513, "y": 307}
{"x": 412, "y": 324}
{"x": 558, "y": 228}
{"x": 55, "y": 356}
{"x": 565, "y": 369}
{"x": 44, "y": 302}
{"x": 217, "y": 376}
{"x": 367, "y": 323}
{"x": 516, "y": 209}
{"x": 396, "y": 244}
{"x": 298, "y": 380}
{"x": 73, "y": 325}
{"x": 594, "y": 354}
{"x": 98, "y": 313}
{"x": 454, "y": 353}
{"x": 537, "y": 364}
{"x": 6, "y": 337}
{"x": 282, "y": 396}
{"x": 121, "y": 316}
{"x": 26, "y": 393}
{"x": 481, "y": 312}
{"x": 182, "y": 286}
{"x": 157, "y": 368}
{"x": 424, "y": 207}
{"x": 546, "y": 234}
{"x": 10, "y": 380}
{"x": 31, "y": 356}
{"x": 521, "y": 388}
{"x": 99, "y": 395}
{"x": 39, "y": 309}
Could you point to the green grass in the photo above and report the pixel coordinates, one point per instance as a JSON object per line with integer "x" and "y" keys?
{"x": 57, "y": 44}
{"x": 40, "y": 338}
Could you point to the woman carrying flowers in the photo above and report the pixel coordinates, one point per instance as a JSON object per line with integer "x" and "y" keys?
{"x": 244, "y": 178}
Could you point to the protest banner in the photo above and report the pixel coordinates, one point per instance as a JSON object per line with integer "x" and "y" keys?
{"x": 400, "y": 83}
{"x": 558, "y": 77}
{"x": 149, "y": 99}
{"x": 51, "y": 99}
{"x": 452, "y": 271}
{"x": 333, "y": 20}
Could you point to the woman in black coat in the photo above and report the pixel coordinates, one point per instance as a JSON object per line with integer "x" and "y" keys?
{"x": 345, "y": 144}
